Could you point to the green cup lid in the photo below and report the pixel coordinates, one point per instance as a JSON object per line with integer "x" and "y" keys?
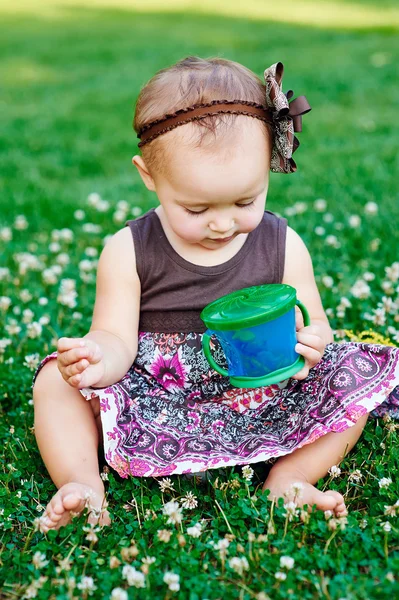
{"x": 249, "y": 306}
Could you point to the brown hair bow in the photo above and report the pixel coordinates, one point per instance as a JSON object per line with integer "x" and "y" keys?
{"x": 284, "y": 118}
{"x": 287, "y": 118}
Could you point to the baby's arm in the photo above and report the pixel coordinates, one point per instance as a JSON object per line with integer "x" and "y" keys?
{"x": 298, "y": 272}
{"x": 111, "y": 344}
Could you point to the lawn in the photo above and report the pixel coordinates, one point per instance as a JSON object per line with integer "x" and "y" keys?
{"x": 70, "y": 74}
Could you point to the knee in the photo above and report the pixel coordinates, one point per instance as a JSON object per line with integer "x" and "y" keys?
{"x": 47, "y": 379}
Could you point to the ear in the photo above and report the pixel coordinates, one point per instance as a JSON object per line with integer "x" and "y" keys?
{"x": 144, "y": 172}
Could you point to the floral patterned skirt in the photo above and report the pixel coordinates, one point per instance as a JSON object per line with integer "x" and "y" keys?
{"x": 171, "y": 413}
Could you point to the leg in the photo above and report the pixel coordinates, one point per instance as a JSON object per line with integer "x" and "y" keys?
{"x": 67, "y": 437}
{"x": 308, "y": 464}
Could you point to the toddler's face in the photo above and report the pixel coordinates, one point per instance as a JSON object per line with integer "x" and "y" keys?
{"x": 212, "y": 194}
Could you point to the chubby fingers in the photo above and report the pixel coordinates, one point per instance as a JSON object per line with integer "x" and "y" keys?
{"x": 69, "y": 357}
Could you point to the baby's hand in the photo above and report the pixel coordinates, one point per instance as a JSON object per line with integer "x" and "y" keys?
{"x": 80, "y": 361}
{"x": 311, "y": 346}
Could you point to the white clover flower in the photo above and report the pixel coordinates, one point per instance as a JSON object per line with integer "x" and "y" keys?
{"x": 3, "y": 344}
{"x": 334, "y": 471}
{"x": 49, "y": 276}
{"x": 79, "y": 214}
{"x": 34, "y": 330}
{"x": 63, "y": 259}
{"x": 119, "y": 594}
{"x": 27, "y": 315}
{"x": 173, "y": 511}
{"x": 327, "y": 281}
{"x": 320, "y": 205}
{"x": 332, "y": 240}
{"x": 137, "y": 211}
{"x": 133, "y": 577}
{"x": 6, "y": 234}
{"x": 102, "y": 206}
{"x": 300, "y": 207}
{"x": 87, "y": 584}
{"x": 328, "y": 218}
{"x": 319, "y": 230}
{"x": 392, "y": 272}
{"x": 25, "y": 296}
{"x": 93, "y": 199}
{"x": 32, "y": 361}
{"x": 355, "y": 475}
{"x": 91, "y": 228}
{"x": 345, "y": 303}
{"x": 123, "y": 205}
{"x": 286, "y": 562}
{"x": 386, "y": 526}
{"x": 389, "y": 305}
{"x": 189, "y": 501}
{"x": 21, "y": 222}
{"x": 77, "y": 316}
{"x": 391, "y": 511}
{"x": 328, "y": 514}
{"x": 43, "y": 301}
{"x": 4, "y": 273}
{"x": 44, "y": 320}
{"x": 54, "y": 247}
{"x": 247, "y": 473}
{"x": 39, "y": 560}
{"x": 119, "y": 216}
{"x": 368, "y": 276}
{"x": 91, "y": 252}
{"x": 378, "y": 316}
{"x": 354, "y": 221}
{"x": 280, "y": 576}
{"x": 5, "y": 303}
{"x": 172, "y": 580}
{"x": 371, "y": 208}
{"x": 194, "y": 531}
{"x": 296, "y": 488}
{"x": 239, "y": 565}
{"x": 360, "y": 289}
{"x": 375, "y": 244}
{"x": 291, "y": 510}
{"x": 384, "y": 482}
{"x": 166, "y": 484}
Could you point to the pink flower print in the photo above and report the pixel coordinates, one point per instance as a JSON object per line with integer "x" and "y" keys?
{"x": 342, "y": 379}
{"x": 195, "y": 421}
{"x": 104, "y": 404}
{"x": 169, "y": 370}
{"x": 112, "y": 435}
{"x": 363, "y": 365}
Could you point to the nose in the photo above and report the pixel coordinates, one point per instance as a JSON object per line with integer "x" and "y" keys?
{"x": 221, "y": 223}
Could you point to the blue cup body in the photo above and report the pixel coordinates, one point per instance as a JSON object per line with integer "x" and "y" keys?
{"x": 262, "y": 349}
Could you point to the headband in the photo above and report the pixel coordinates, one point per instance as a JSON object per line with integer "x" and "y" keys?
{"x": 284, "y": 117}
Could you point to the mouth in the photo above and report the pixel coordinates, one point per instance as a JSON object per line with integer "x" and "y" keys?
{"x": 222, "y": 240}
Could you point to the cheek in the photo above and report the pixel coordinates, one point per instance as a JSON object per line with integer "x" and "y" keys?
{"x": 250, "y": 220}
{"x": 189, "y": 228}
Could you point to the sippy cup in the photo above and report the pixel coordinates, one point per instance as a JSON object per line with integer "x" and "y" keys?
{"x": 256, "y": 330}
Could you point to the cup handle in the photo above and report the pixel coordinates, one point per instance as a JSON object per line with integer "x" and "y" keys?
{"x": 305, "y": 314}
{"x": 207, "y": 351}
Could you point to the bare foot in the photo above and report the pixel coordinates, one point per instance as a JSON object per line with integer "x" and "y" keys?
{"x": 293, "y": 487}
{"x": 69, "y": 501}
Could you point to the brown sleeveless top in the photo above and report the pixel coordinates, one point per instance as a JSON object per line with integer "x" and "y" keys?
{"x": 174, "y": 290}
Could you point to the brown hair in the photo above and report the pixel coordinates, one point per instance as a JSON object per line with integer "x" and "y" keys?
{"x": 190, "y": 81}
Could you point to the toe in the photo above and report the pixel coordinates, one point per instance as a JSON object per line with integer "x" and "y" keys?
{"x": 74, "y": 502}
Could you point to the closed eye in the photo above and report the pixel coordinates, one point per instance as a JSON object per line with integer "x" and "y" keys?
{"x": 195, "y": 212}
{"x": 247, "y": 205}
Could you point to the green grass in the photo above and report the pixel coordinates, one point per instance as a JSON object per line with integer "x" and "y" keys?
{"x": 70, "y": 79}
